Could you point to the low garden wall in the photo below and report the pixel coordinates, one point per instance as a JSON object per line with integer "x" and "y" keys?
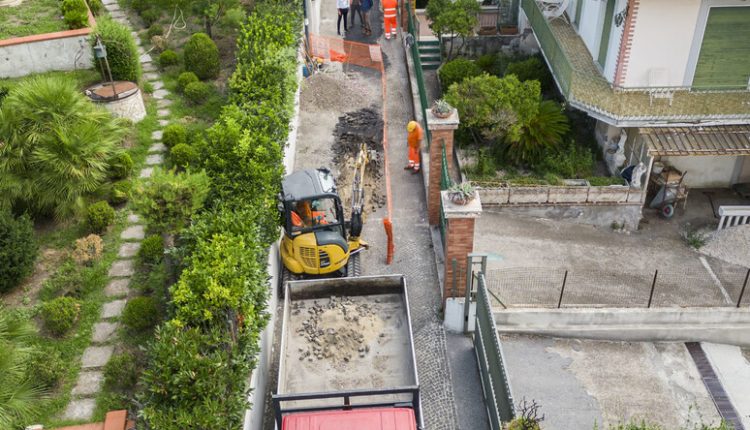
{"x": 58, "y": 51}
{"x": 542, "y": 195}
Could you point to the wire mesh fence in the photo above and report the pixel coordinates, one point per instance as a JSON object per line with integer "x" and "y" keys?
{"x": 693, "y": 286}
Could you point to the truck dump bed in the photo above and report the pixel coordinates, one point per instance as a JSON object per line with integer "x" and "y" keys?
{"x": 346, "y": 343}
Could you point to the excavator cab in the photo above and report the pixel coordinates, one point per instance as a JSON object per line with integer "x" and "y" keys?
{"x": 315, "y": 240}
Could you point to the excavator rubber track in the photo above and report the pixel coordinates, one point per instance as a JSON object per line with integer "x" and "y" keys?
{"x": 353, "y": 270}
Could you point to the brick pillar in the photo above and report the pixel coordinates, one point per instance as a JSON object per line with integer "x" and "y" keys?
{"x": 459, "y": 242}
{"x": 441, "y": 130}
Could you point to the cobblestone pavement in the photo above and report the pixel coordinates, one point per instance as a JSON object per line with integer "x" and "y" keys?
{"x": 414, "y": 256}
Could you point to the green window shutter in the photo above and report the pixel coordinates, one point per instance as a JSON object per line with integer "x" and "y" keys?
{"x": 579, "y": 9}
{"x": 724, "y": 58}
{"x": 606, "y": 31}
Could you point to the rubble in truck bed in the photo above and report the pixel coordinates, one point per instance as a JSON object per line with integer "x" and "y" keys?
{"x": 353, "y": 129}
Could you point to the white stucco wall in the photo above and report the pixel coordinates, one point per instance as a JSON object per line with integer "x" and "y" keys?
{"x": 707, "y": 171}
{"x": 592, "y": 17}
{"x": 662, "y": 39}
{"x": 613, "y": 51}
{"x": 23, "y": 59}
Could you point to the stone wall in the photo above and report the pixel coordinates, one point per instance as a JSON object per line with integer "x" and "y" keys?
{"x": 482, "y": 45}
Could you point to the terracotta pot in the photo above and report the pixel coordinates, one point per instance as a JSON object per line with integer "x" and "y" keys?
{"x": 440, "y": 115}
{"x": 460, "y": 199}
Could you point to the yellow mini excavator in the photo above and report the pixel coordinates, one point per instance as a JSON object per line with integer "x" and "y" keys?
{"x": 315, "y": 241}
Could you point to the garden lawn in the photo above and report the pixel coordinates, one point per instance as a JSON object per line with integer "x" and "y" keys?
{"x": 31, "y": 17}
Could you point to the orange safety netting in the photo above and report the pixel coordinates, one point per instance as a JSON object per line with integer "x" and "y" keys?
{"x": 371, "y": 56}
{"x": 344, "y": 51}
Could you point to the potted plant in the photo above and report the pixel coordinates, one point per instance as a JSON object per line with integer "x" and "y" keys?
{"x": 462, "y": 193}
{"x": 442, "y": 109}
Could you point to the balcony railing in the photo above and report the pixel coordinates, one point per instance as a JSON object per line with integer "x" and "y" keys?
{"x": 584, "y": 87}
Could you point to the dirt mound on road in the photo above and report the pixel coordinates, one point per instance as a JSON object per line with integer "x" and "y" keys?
{"x": 354, "y": 129}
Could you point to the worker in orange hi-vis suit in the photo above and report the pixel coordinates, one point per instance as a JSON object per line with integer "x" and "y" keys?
{"x": 389, "y": 17}
{"x": 414, "y": 139}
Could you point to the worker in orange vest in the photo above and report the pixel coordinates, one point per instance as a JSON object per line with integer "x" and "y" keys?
{"x": 389, "y": 17}
{"x": 414, "y": 139}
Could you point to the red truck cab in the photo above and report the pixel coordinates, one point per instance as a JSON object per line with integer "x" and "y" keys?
{"x": 361, "y": 419}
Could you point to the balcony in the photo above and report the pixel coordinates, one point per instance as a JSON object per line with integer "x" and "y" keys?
{"x": 584, "y": 87}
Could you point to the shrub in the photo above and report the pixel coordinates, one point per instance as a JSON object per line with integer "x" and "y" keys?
{"x": 4, "y": 91}
{"x": 495, "y": 64}
{"x": 570, "y": 161}
{"x": 95, "y": 6}
{"x": 18, "y": 250}
{"x": 122, "y": 52}
{"x": 47, "y": 366}
{"x": 59, "y": 315}
{"x": 140, "y": 5}
{"x": 152, "y": 250}
{"x": 120, "y": 166}
{"x": 140, "y": 313}
{"x": 155, "y": 30}
{"x": 542, "y": 133}
{"x": 121, "y": 371}
{"x": 201, "y": 56}
{"x": 183, "y": 155}
{"x": 150, "y": 16}
{"x": 100, "y": 215}
{"x": 174, "y": 134}
{"x": 532, "y": 69}
{"x": 120, "y": 191}
{"x": 75, "y": 13}
{"x": 168, "y": 58}
{"x": 185, "y": 79}
{"x": 197, "y": 92}
{"x": 456, "y": 71}
{"x": 88, "y": 249}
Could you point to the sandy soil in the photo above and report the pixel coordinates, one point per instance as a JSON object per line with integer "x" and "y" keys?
{"x": 46, "y": 264}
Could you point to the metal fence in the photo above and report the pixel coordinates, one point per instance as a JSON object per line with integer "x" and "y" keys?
{"x": 445, "y": 183}
{"x": 495, "y": 386}
{"x": 689, "y": 286}
{"x": 414, "y": 31}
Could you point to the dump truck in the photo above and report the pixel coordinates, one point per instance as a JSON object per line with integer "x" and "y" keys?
{"x": 347, "y": 356}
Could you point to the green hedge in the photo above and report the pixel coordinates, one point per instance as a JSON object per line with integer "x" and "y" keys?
{"x": 202, "y": 357}
{"x": 122, "y": 52}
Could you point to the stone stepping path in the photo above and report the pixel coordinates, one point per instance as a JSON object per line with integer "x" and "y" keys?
{"x": 105, "y": 332}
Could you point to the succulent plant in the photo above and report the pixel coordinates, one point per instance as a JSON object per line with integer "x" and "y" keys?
{"x": 441, "y": 108}
{"x": 461, "y": 193}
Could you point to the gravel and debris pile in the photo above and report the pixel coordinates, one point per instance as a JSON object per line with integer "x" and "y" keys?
{"x": 731, "y": 245}
{"x": 339, "y": 330}
{"x": 334, "y": 88}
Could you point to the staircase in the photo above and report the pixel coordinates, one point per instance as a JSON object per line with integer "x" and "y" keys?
{"x": 429, "y": 53}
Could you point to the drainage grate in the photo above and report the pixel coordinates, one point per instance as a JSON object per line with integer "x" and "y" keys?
{"x": 713, "y": 385}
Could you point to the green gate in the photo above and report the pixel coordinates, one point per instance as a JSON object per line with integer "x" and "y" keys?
{"x": 445, "y": 183}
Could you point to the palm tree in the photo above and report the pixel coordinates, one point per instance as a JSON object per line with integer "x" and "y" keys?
{"x": 542, "y": 133}
{"x": 54, "y": 146}
{"x": 20, "y": 396}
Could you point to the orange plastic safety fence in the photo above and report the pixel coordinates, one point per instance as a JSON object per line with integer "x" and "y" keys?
{"x": 344, "y": 51}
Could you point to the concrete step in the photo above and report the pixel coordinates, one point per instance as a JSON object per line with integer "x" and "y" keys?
{"x": 428, "y": 58}
{"x": 430, "y": 65}
{"x": 433, "y": 41}
{"x": 429, "y": 49}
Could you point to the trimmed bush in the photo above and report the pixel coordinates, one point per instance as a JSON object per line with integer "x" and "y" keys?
{"x": 197, "y": 92}
{"x": 155, "y": 30}
{"x": 152, "y": 250}
{"x": 456, "y": 71}
{"x": 174, "y": 134}
{"x": 122, "y": 52}
{"x": 120, "y": 166}
{"x": 140, "y": 313}
{"x": 18, "y": 250}
{"x": 47, "y": 367}
{"x": 120, "y": 192}
{"x": 201, "y": 56}
{"x": 168, "y": 58}
{"x": 75, "y": 13}
{"x": 150, "y": 16}
{"x": 100, "y": 215}
{"x": 532, "y": 69}
{"x": 96, "y": 6}
{"x": 121, "y": 371}
{"x": 185, "y": 79}
{"x": 140, "y": 5}
{"x": 183, "y": 155}
{"x": 59, "y": 315}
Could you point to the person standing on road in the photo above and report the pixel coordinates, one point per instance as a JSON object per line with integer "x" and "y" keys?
{"x": 389, "y": 17}
{"x": 355, "y": 9}
{"x": 343, "y": 7}
{"x": 414, "y": 140}
{"x": 365, "y": 6}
